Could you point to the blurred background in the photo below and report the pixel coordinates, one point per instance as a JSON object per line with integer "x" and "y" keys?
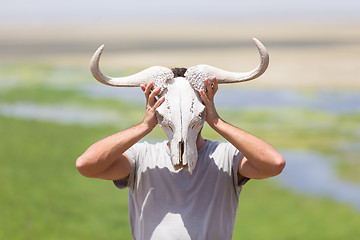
{"x": 307, "y": 104}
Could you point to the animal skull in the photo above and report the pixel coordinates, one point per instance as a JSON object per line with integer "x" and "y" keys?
{"x": 182, "y": 114}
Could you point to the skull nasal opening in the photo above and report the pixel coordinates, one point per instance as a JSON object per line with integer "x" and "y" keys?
{"x": 181, "y": 153}
{"x": 179, "y": 72}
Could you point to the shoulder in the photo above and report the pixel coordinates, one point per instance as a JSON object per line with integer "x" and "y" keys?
{"x": 147, "y": 151}
{"x": 223, "y": 153}
{"x": 146, "y": 146}
{"x": 220, "y": 147}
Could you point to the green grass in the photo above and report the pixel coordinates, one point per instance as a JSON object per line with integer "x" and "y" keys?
{"x": 40, "y": 94}
{"x": 44, "y": 197}
{"x": 269, "y": 212}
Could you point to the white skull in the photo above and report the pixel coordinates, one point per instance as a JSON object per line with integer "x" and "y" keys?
{"x": 182, "y": 114}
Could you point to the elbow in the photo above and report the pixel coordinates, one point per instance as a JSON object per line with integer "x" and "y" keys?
{"x": 83, "y": 167}
{"x": 278, "y": 165}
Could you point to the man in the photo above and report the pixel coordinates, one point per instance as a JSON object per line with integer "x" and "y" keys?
{"x": 165, "y": 203}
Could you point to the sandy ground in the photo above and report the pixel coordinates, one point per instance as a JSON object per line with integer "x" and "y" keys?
{"x": 301, "y": 55}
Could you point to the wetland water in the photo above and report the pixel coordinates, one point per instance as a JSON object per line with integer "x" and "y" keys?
{"x": 334, "y": 101}
{"x": 305, "y": 172}
{"x": 313, "y": 174}
{"x": 63, "y": 114}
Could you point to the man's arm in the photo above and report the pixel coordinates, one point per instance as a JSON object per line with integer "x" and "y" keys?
{"x": 105, "y": 159}
{"x": 260, "y": 160}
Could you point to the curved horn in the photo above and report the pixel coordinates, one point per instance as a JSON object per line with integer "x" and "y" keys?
{"x": 156, "y": 74}
{"x": 200, "y": 72}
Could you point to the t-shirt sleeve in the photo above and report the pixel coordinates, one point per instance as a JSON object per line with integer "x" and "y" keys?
{"x": 132, "y": 154}
{"x": 237, "y": 156}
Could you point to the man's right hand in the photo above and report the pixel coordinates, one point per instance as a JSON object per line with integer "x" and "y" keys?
{"x": 152, "y": 103}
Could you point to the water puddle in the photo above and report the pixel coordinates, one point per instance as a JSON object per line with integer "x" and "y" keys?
{"x": 63, "y": 114}
{"x": 313, "y": 174}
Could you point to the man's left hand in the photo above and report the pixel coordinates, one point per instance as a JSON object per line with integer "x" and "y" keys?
{"x": 212, "y": 116}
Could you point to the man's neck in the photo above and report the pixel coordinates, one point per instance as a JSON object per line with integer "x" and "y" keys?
{"x": 200, "y": 142}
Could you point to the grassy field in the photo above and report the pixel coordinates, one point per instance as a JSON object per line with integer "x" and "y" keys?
{"x": 44, "y": 197}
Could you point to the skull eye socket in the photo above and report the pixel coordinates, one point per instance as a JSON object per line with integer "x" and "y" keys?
{"x": 197, "y": 121}
{"x": 167, "y": 124}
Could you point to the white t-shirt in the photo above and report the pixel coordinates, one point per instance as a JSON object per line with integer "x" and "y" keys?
{"x": 165, "y": 203}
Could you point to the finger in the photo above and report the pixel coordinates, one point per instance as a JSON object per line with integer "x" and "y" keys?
{"x": 208, "y": 87}
{"x": 215, "y": 85}
{"x": 153, "y": 95}
{"x": 143, "y": 87}
{"x": 159, "y": 102}
{"x": 148, "y": 89}
{"x": 204, "y": 97}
